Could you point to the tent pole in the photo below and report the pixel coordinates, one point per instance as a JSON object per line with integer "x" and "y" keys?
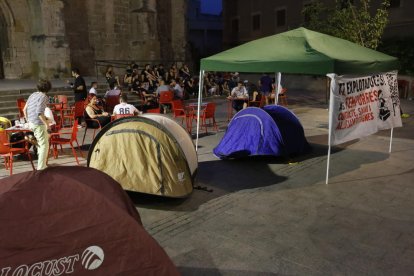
{"x": 327, "y": 163}
{"x": 278, "y": 77}
{"x": 327, "y": 89}
{"x": 200, "y": 93}
{"x": 331, "y": 105}
{"x": 392, "y": 131}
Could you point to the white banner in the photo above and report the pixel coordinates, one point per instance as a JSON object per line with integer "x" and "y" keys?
{"x": 360, "y": 106}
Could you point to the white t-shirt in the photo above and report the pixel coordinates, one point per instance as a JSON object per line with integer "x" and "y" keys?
{"x": 125, "y": 108}
{"x": 92, "y": 91}
{"x": 49, "y": 115}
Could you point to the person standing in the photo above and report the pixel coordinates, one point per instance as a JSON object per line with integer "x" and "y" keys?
{"x": 34, "y": 113}
{"x": 79, "y": 89}
{"x": 265, "y": 83}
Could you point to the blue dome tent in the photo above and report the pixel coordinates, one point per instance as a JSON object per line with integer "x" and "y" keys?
{"x": 274, "y": 131}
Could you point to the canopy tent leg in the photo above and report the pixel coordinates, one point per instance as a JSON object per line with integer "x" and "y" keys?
{"x": 392, "y": 131}
{"x": 200, "y": 93}
{"x": 278, "y": 77}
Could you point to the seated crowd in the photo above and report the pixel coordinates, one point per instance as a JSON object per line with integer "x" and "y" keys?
{"x": 150, "y": 80}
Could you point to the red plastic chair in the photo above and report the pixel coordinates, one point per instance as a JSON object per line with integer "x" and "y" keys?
{"x": 166, "y": 97}
{"x": 20, "y": 106}
{"x": 89, "y": 124}
{"x": 7, "y": 152}
{"x": 56, "y": 139}
{"x": 180, "y": 111}
{"x": 63, "y": 99}
{"x": 154, "y": 110}
{"x": 119, "y": 116}
{"x": 72, "y": 113}
{"x": 208, "y": 113}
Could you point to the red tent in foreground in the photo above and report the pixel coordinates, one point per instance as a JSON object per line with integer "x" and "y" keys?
{"x": 73, "y": 220}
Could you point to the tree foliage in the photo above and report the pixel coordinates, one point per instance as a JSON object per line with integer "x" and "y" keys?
{"x": 353, "y": 22}
{"x": 403, "y": 49}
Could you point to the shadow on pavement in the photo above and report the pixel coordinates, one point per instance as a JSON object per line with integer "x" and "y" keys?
{"x": 223, "y": 177}
{"x": 228, "y": 176}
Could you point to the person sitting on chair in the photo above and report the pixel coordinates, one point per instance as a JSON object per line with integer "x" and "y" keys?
{"x": 110, "y": 76}
{"x": 124, "y": 107}
{"x": 239, "y": 96}
{"x": 272, "y": 97}
{"x": 113, "y": 91}
{"x": 93, "y": 111}
{"x": 178, "y": 90}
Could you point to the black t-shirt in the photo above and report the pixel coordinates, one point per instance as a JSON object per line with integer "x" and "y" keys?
{"x": 161, "y": 72}
{"x": 80, "y": 95}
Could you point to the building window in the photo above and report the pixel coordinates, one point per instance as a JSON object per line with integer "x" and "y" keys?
{"x": 256, "y": 22}
{"x": 395, "y": 3}
{"x": 235, "y": 25}
{"x": 281, "y": 18}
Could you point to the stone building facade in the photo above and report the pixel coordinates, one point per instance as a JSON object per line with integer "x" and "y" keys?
{"x": 48, "y": 37}
{"x": 205, "y": 31}
{"x": 246, "y": 20}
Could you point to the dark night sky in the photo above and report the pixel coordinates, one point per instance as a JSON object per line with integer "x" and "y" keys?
{"x": 211, "y": 6}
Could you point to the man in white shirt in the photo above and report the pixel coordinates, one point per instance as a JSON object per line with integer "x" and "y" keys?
{"x": 124, "y": 107}
{"x": 93, "y": 91}
{"x": 239, "y": 96}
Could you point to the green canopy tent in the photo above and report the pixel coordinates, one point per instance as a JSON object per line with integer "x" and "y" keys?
{"x": 299, "y": 51}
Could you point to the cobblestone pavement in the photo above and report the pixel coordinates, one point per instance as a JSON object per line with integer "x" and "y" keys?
{"x": 277, "y": 216}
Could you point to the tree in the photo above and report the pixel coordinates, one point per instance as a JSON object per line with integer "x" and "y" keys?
{"x": 349, "y": 21}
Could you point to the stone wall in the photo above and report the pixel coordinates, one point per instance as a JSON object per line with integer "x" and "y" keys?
{"x": 48, "y": 37}
{"x": 76, "y": 18}
{"x": 32, "y": 42}
{"x": 14, "y": 41}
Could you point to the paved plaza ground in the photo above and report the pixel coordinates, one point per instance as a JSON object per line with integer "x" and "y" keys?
{"x": 277, "y": 216}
